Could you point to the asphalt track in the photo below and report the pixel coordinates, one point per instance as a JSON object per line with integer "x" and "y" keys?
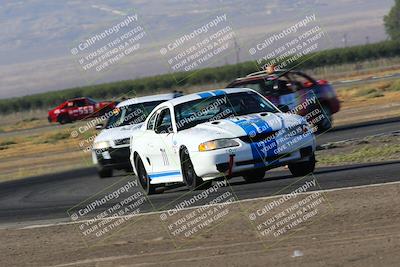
{"x": 50, "y": 197}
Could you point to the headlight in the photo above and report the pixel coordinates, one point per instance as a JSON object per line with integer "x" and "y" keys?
{"x": 217, "y": 144}
{"x": 101, "y": 145}
{"x": 121, "y": 142}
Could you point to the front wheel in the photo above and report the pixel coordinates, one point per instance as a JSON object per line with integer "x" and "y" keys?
{"x": 192, "y": 181}
{"x": 143, "y": 178}
{"x": 302, "y": 168}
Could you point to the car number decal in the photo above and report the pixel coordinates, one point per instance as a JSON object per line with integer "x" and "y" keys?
{"x": 164, "y": 157}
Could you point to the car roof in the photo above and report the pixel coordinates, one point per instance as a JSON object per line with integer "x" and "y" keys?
{"x": 77, "y": 98}
{"x": 206, "y": 94}
{"x": 150, "y": 98}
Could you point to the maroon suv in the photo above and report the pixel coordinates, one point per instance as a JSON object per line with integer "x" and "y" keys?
{"x": 292, "y": 90}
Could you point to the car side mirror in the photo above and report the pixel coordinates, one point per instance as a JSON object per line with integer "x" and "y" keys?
{"x": 99, "y": 126}
{"x": 284, "y": 108}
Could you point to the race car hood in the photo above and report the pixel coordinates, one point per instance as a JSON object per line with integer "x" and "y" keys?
{"x": 239, "y": 126}
{"x": 117, "y": 133}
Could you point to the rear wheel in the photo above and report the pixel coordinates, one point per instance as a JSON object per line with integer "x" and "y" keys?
{"x": 302, "y": 168}
{"x": 104, "y": 173}
{"x": 254, "y": 176}
{"x": 143, "y": 178}
{"x": 192, "y": 181}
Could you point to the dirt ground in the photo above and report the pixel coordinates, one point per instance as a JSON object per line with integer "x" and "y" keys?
{"x": 369, "y": 149}
{"x": 353, "y": 227}
{"x": 361, "y": 109}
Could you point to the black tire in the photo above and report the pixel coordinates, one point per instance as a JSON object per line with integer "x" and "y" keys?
{"x": 192, "y": 181}
{"x": 143, "y": 178}
{"x": 63, "y": 119}
{"x": 254, "y": 176}
{"x": 302, "y": 168}
{"x": 104, "y": 173}
{"x": 326, "y": 123}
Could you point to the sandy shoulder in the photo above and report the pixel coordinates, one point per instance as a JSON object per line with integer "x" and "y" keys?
{"x": 356, "y": 227}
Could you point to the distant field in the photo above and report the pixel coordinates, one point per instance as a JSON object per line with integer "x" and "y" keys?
{"x": 358, "y": 70}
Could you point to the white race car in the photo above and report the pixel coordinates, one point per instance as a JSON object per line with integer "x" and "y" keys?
{"x": 111, "y": 146}
{"x": 219, "y": 134}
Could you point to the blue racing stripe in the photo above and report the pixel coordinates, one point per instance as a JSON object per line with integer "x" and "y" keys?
{"x": 263, "y": 148}
{"x": 219, "y": 92}
{"x": 163, "y": 174}
{"x": 205, "y": 95}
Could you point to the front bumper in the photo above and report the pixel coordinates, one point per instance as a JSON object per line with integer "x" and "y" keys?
{"x": 113, "y": 158}
{"x": 218, "y": 163}
{"x": 269, "y": 162}
{"x": 51, "y": 119}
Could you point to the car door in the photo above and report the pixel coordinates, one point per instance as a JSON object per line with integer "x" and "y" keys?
{"x": 90, "y": 107}
{"x": 303, "y": 86}
{"x": 287, "y": 95}
{"x": 165, "y": 163}
{"x": 270, "y": 91}
{"x": 80, "y": 109}
{"x": 73, "y": 111}
{"x": 147, "y": 141}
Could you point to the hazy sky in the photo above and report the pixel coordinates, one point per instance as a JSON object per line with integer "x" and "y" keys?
{"x": 37, "y": 36}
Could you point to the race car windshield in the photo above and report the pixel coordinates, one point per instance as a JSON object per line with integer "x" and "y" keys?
{"x": 219, "y": 107}
{"x": 132, "y": 114}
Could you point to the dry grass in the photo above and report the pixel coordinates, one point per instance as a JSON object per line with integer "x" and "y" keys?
{"x": 45, "y": 152}
{"x": 368, "y": 102}
{"x": 371, "y": 149}
{"x": 23, "y": 120}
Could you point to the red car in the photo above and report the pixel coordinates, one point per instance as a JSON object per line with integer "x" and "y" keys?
{"x": 78, "y": 109}
{"x": 290, "y": 90}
